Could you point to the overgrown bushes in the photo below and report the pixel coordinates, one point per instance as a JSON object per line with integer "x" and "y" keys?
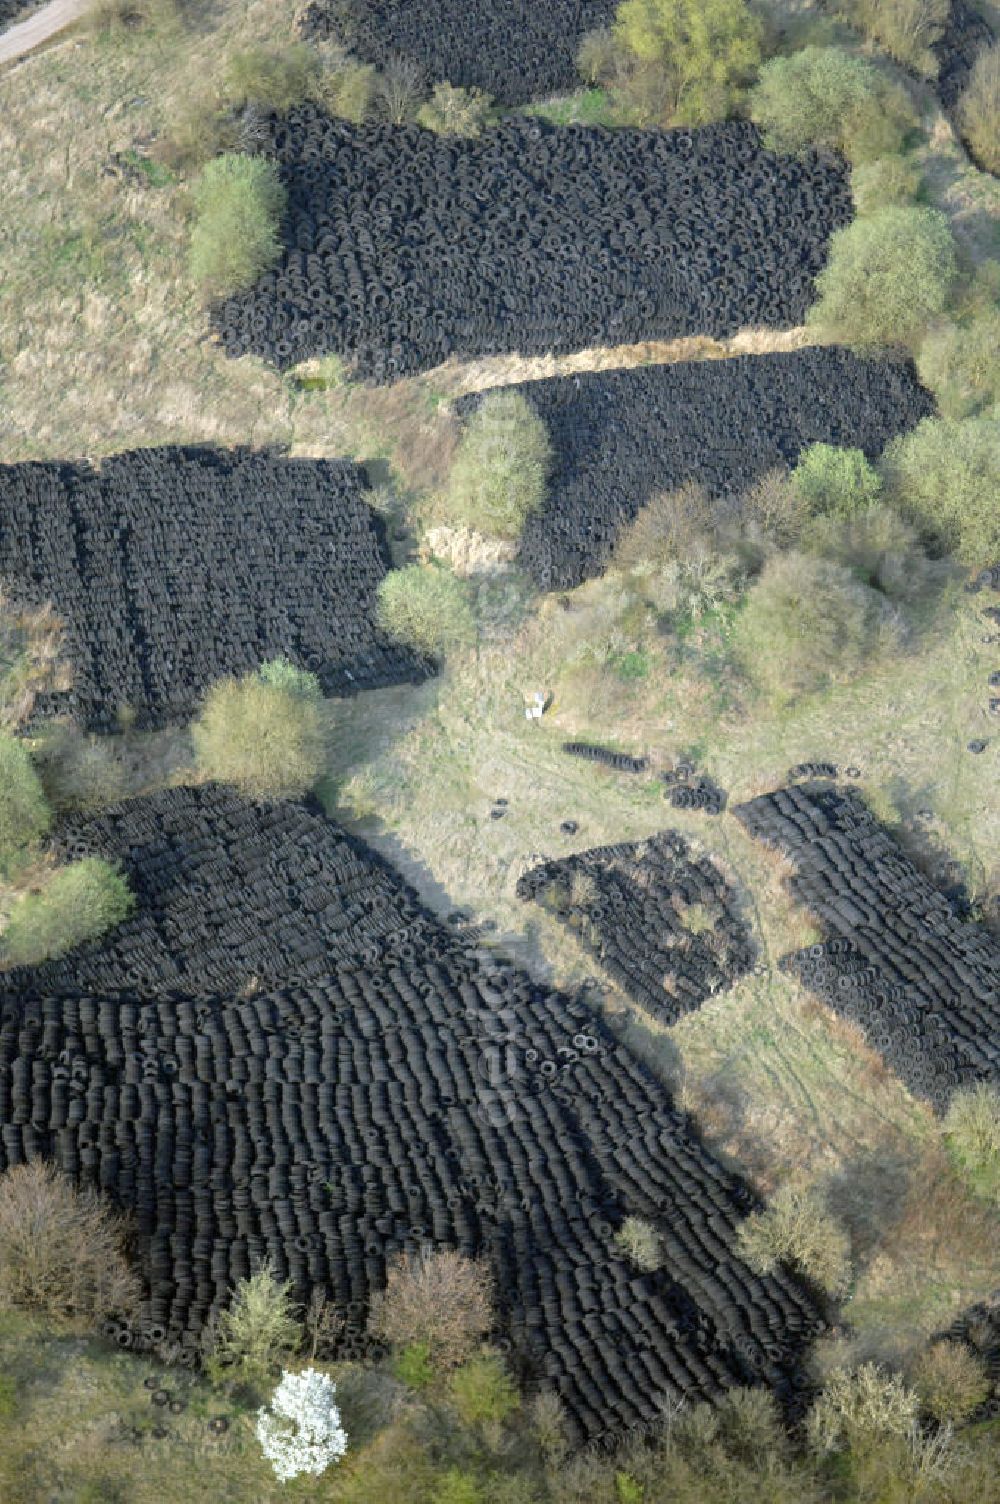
{"x": 61, "y": 1250}
{"x": 482, "y": 1391}
{"x": 24, "y": 813}
{"x": 262, "y": 733}
{"x": 972, "y": 1133}
{"x": 639, "y": 1242}
{"x": 428, "y": 607}
{"x": 808, "y": 623}
{"x": 887, "y": 276}
{"x": 945, "y": 477}
{"x": 272, "y": 77}
{"x": 31, "y": 663}
{"x": 695, "y": 55}
{"x": 438, "y": 1297}
{"x": 907, "y": 29}
{"x": 834, "y": 481}
{"x": 454, "y": 112}
{"x": 256, "y": 1333}
{"x": 238, "y": 203}
{"x": 825, "y": 96}
{"x": 979, "y": 109}
{"x": 73, "y": 904}
{"x": 951, "y": 1382}
{"x": 500, "y": 470}
{"x": 960, "y": 364}
{"x": 884, "y": 183}
{"x": 797, "y": 1229}
{"x": 857, "y": 1408}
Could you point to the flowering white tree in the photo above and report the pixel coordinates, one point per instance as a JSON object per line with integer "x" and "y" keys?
{"x": 301, "y": 1432}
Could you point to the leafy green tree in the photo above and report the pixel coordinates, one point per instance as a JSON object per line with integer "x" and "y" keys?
{"x": 76, "y": 903}
{"x": 482, "y": 1391}
{"x": 960, "y": 363}
{"x": 945, "y": 477}
{"x": 834, "y": 481}
{"x": 797, "y": 1229}
{"x": 824, "y": 96}
{"x": 907, "y": 29}
{"x": 272, "y": 77}
{"x": 24, "y": 813}
{"x": 263, "y": 733}
{"x": 258, "y": 1330}
{"x": 238, "y": 204}
{"x": 979, "y": 109}
{"x": 887, "y": 276}
{"x": 501, "y": 469}
{"x": 428, "y": 607}
{"x": 704, "y": 49}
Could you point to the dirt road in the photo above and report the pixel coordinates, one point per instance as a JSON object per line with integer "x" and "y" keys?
{"x": 44, "y": 23}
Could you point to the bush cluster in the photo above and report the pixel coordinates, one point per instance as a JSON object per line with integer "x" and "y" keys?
{"x": 944, "y": 476}
{"x": 249, "y": 1340}
{"x": 437, "y": 1297}
{"x": 972, "y": 1133}
{"x": 960, "y": 363}
{"x": 428, "y": 607}
{"x": 24, "y": 812}
{"x": 906, "y": 29}
{"x": 455, "y": 112}
{"x": 263, "y": 733}
{"x": 979, "y": 109}
{"x": 674, "y": 62}
{"x": 501, "y": 467}
{"x": 797, "y": 1229}
{"x": 639, "y": 1241}
{"x": 61, "y": 1250}
{"x": 824, "y": 96}
{"x": 887, "y": 277}
{"x": 951, "y": 1382}
{"x": 72, "y": 904}
{"x": 235, "y": 238}
{"x": 835, "y": 482}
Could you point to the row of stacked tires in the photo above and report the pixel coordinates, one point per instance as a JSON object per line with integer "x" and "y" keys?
{"x": 515, "y": 50}
{"x": 402, "y": 247}
{"x": 627, "y": 904}
{"x": 172, "y": 567}
{"x": 412, "y": 1089}
{"x": 896, "y": 959}
{"x": 621, "y": 437}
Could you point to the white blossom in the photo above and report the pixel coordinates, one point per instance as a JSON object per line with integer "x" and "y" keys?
{"x": 301, "y": 1432}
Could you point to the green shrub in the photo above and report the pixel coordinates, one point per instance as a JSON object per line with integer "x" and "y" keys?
{"x": 199, "y": 128}
{"x": 455, "y": 112}
{"x": 24, "y": 813}
{"x": 879, "y": 548}
{"x": 797, "y": 1229}
{"x": 347, "y": 89}
{"x": 979, "y": 109}
{"x": 482, "y": 1391}
{"x": 885, "y": 183}
{"x": 272, "y": 77}
{"x": 944, "y": 476}
{"x": 751, "y": 1424}
{"x": 951, "y": 1381}
{"x": 907, "y": 29}
{"x": 279, "y": 674}
{"x": 258, "y": 1331}
{"x": 972, "y": 1133}
{"x": 263, "y": 734}
{"x": 31, "y": 661}
{"x": 773, "y": 509}
{"x": 704, "y": 51}
{"x": 887, "y": 276}
{"x": 238, "y": 204}
{"x": 501, "y": 467}
{"x": 413, "y": 1365}
{"x": 596, "y": 56}
{"x": 76, "y": 903}
{"x": 809, "y": 623}
{"x": 860, "y": 1407}
{"x": 428, "y": 607}
{"x": 455, "y": 1486}
{"x": 833, "y": 481}
{"x": 640, "y": 1242}
{"x": 824, "y": 96}
{"x": 61, "y": 1250}
{"x": 960, "y": 363}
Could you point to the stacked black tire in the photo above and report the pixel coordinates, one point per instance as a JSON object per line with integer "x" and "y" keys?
{"x": 897, "y": 960}
{"x": 400, "y": 1086}
{"x": 402, "y": 247}
{"x": 627, "y": 904}
{"x": 172, "y": 567}
{"x": 965, "y": 36}
{"x": 620, "y": 437}
{"x": 516, "y": 50}
{"x": 10, "y": 11}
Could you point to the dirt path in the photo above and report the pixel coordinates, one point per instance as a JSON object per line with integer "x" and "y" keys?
{"x": 44, "y": 23}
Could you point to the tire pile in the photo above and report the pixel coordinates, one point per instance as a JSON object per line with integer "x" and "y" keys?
{"x": 10, "y": 11}
{"x": 627, "y": 903}
{"x": 897, "y": 960}
{"x": 172, "y": 567}
{"x": 621, "y": 437}
{"x": 402, "y": 247}
{"x": 966, "y": 34}
{"x": 620, "y": 762}
{"x": 401, "y": 1085}
{"x": 515, "y": 50}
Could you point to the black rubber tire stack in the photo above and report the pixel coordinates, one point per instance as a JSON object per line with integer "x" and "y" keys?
{"x": 402, "y": 247}
{"x": 627, "y": 903}
{"x": 173, "y": 567}
{"x": 897, "y": 959}
{"x": 622, "y": 437}
{"x": 398, "y": 1086}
